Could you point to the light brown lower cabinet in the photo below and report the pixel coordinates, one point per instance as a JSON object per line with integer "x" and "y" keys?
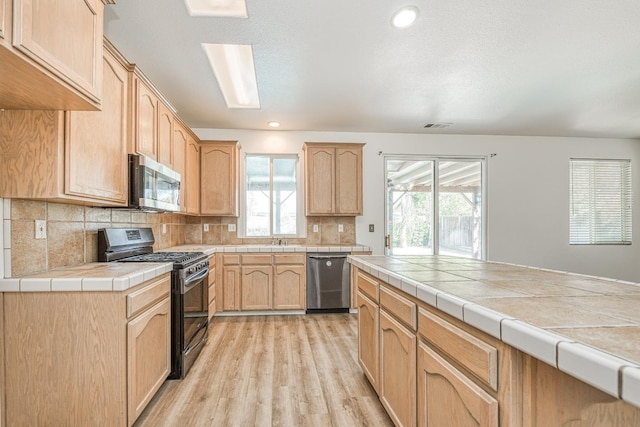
{"x": 397, "y": 370}
{"x": 148, "y": 355}
{"x": 446, "y": 373}
{"x": 85, "y": 358}
{"x": 289, "y": 287}
{"x": 261, "y": 282}
{"x": 257, "y": 282}
{"x": 212, "y": 286}
{"x": 446, "y": 397}
{"x": 368, "y": 328}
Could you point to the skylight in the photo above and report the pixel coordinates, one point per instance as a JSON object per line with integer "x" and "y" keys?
{"x": 228, "y": 8}
{"x": 235, "y": 71}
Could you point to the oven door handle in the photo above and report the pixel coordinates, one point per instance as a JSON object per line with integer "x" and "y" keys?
{"x": 189, "y": 283}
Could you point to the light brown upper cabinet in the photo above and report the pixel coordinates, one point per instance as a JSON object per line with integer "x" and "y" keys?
{"x": 333, "y": 179}
{"x": 165, "y": 135}
{"x": 219, "y": 178}
{"x": 153, "y": 122}
{"x": 51, "y": 54}
{"x": 192, "y": 176}
{"x": 180, "y": 135}
{"x": 77, "y": 156}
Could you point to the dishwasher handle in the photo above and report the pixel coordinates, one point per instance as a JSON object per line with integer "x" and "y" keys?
{"x": 327, "y": 256}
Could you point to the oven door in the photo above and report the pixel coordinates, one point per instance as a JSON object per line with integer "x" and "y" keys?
{"x": 195, "y": 307}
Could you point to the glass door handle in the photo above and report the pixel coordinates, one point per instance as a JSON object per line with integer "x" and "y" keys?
{"x": 387, "y": 241}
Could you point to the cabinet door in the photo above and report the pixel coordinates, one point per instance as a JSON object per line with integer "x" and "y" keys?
{"x": 231, "y": 288}
{"x": 146, "y": 121}
{"x": 179, "y": 160}
{"x": 320, "y": 180}
{"x": 289, "y": 286}
{"x": 256, "y": 287}
{"x": 218, "y": 179}
{"x": 397, "y": 371}
{"x": 192, "y": 193}
{"x": 368, "y": 343}
{"x": 65, "y": 37}
{"x": 348, "y": 181}
{"x": 3, "y": 16}
{"x": 148, "y": 356}
{"x": 446, "y": 397}
{"x": 165, "y": 135}
{"x": 96, "y": 141}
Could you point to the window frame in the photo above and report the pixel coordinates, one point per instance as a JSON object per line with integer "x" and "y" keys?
{"x": 625, "y": 192}
{"x": 300, "y": 218}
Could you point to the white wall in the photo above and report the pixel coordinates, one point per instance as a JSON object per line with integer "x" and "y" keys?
{"x": 528, "y": 190}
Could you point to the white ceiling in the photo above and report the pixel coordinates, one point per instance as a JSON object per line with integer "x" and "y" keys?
{"x": 510, "y": 67}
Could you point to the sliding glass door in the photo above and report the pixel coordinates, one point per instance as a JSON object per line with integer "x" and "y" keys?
{"x": 435, "y": 206}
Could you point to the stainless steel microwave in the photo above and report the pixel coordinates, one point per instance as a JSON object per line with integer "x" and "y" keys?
{"x": 152, "y": 186}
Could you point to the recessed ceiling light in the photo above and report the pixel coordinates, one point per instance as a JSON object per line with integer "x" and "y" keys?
{"x": 235, "y": 71}
{"x": 274, "y": 124}
{"x": 227, "y": 8}
{"x": 405, "y": 17}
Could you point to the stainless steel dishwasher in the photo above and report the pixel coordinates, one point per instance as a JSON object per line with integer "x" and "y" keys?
{"x": 328, "y": 283}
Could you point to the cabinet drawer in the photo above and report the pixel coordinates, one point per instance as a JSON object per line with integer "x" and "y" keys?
{"x": 138, "y": 300}
{"x": 473, "y": 354}
{"x": 368, "y": 285}
{"x": 289, "y": 259}
{"x": 256, "y": 259}
{"x": 402, "y": 308}
{"x": 230, "y": 259}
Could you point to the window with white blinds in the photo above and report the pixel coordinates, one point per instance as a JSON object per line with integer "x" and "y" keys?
{"x": 600, "y": 202}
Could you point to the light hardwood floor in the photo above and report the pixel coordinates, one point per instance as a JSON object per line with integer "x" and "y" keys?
{"x": 272, "y": 371}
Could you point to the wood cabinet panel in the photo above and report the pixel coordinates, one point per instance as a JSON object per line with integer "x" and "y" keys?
{"x": 148, "y": 356}
{"x": 368, "y": 285}
{"x": 289, "y": 284}
{"x": 73, "y": 51}
{"x": 141, "y": 299}
{"x": 96, "y": 142}
{"x": 320, "y": 179}
{"x": 219, "y": 178}
{"x": 368, "y": 343}
{"x": 289, "y": 259}
{"x": 402, "y": 308}
{"x": 3, "y": 24}
{"x": 256, "y": 287}
{"x": 448, "y": 397}
{"x": 480, "y": 358}
{"x": 397, "y": 370}
{"x": 180, "y": 159}
{"x": 165, "y": 135}
{"x": 231, "y": 288}
{"x": 349, "y": 181}
{"x": 69, "y": 370}
{"x": 333, "y": 179}
{"x": 192, "y": 192}
{"x": 77, "y": 157}
{"x": 146, "y": 123}
{"x": 255, "y": 259}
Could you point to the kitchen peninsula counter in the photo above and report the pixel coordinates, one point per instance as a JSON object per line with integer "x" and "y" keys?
{"x": 584, "y": 326}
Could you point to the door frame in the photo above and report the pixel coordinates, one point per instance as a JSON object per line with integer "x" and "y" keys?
{"x": 484, "y": 192}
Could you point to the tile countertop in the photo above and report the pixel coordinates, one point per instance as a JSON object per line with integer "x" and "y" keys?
{"x": 211, "y": 249}
{"x": 116, "y": 276}
{"x": 90, "y": 277}
{"x": 588, "y": 327}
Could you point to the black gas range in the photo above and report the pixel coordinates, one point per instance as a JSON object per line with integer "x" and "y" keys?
{"x": 189, "y": 288}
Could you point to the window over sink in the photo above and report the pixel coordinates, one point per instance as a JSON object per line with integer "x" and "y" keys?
{"x": 271, "y": 201}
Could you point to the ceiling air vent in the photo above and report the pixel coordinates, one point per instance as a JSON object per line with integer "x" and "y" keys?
{"x": 437, "y": 125}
